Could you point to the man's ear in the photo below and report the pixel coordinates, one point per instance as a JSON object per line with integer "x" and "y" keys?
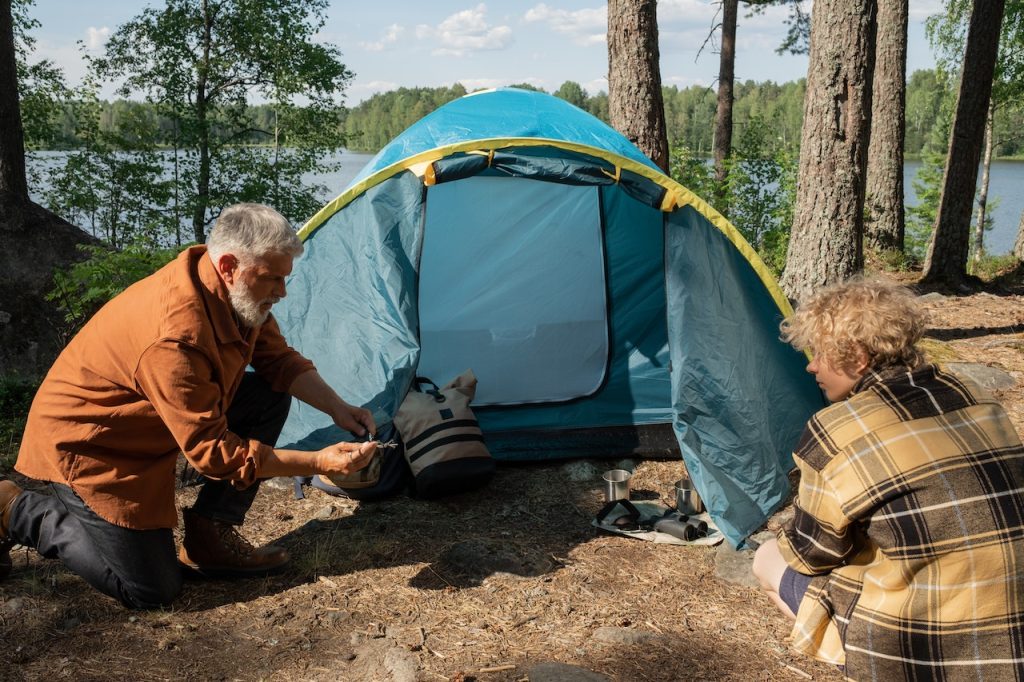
{"x": 227, "y": 267}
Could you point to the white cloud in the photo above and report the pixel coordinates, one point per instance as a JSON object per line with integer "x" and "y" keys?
{"x": 465, "y": 32}
{"x": 358, "y": 91}
{"x": 922, "y": 9}
{"x": 683, "y": 82}
{"x": 584, "y": 27}
{"x": 686, "y": 11}
{"x": 595, "y": 86}
{"x": 96, "y": 38}
{"x": 390, "y": 38}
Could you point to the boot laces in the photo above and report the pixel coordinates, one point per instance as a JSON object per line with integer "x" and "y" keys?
{"x": 233, "y": 540}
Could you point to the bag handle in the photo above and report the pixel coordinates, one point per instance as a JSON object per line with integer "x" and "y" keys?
{"x": 417, "y": 385}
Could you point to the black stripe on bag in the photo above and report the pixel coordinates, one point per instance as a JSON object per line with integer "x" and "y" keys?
{"x": 438, "y": 428}
{"x": 457, "y": 438}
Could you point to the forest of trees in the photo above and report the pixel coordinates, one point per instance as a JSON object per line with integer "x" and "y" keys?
{"x": 689, "y": 115}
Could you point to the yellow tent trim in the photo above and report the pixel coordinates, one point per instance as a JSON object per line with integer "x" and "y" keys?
{"x": 676, "y": 196}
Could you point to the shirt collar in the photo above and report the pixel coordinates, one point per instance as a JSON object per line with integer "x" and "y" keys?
{"x": 885, "y": 374}
{"x": 216, "y": 297}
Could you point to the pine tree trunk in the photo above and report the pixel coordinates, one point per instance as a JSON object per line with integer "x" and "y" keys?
{"x": 12, "y": 138}
{"x": 825, "y": 245}
{"x": 635, "y": 105}
{"x": 723, "y": 112}
{"x": 986, "y": 166}
{"x": 884, "y": 224}
{"x": 947, "y": 253}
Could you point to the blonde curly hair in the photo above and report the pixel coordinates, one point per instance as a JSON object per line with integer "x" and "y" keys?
{"x": 881, "y": 319}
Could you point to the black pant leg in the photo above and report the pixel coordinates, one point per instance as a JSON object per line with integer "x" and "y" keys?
{"x": 137, "y": 567}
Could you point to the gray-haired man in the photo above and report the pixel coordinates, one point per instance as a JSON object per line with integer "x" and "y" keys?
{"x": 161, "y": 369}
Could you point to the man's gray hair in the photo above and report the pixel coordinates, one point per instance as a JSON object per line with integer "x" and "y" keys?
{"x": 251, "y": 231}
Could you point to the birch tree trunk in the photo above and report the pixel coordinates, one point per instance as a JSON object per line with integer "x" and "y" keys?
{"x": 1018, "y": 246}
{"x": 723, "y": 111}
{"x": 986, "y": 167}
{"x": 826, "y": 241}
{"x": 635, "y": 105}
{"x": 884, "y": 224}
{"x": 946, "y": 262}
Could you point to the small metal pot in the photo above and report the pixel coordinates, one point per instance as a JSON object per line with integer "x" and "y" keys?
{"x": 687, "y": 499}
{"x": 616, "y": 484}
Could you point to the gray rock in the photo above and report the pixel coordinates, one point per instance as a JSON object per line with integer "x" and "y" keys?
{"x": 325, "y": 513}
{"x": 581, "y": 471}
{"x": 402, "y": 664}
{"x": 734, "y": 566}
{"x": 933, "y": 297}
{"x": 563, "y": 672}
{"x": 279, "y": 483}
{"x": 13, "y": 606}
{"x": 989, "y": 377}
{"x": 627, "y": 636}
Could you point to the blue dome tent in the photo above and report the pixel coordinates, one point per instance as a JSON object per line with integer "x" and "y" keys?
{"x": 605, "y": 309}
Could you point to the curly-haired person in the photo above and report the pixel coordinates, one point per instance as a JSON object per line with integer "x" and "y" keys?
{"x": 905, "y": 555}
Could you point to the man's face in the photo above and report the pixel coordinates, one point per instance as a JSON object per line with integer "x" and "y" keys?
{"x": 255, "y": 287}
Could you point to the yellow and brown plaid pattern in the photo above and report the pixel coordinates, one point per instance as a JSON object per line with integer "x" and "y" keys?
{"x": 911, "y": 509}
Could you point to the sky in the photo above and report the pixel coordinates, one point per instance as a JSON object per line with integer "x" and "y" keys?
{"x": 390, "y": 44}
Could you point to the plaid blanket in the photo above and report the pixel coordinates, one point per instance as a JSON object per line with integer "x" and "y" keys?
{"x": 911, "y": 511}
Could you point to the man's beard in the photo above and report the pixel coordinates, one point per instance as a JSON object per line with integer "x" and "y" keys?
{"x": 248, "y": 308}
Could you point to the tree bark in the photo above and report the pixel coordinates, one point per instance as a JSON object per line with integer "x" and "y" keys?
{"x": 35, "y": 241}
{"x": 723, "y": 112}
{"x": 12, "y": 137}
{"x": 635, "y": 105}
{"x": 884, "y": 224}
{"x": 946, "y": 262}
{"x": 1018, "y": 246}
{"x": 826, "y": 241}
{"x": 986, "y": 166}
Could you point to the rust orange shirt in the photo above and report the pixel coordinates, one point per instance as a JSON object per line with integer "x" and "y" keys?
{"x": 152, "y": 374}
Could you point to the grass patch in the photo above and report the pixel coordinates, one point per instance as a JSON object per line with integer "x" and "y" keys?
{"x": 15, "y": 398}
{"x": 993, "y": 267}
{"x": 938, "y": 351}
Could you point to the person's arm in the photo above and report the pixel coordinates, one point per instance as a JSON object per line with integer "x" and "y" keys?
{"x": 820, "y": 537}
{"x": 340, "y": 458}
{"x": 310, "y": 388}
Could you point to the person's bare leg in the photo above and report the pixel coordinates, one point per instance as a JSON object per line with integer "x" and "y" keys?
{"x": 768, "y": 569}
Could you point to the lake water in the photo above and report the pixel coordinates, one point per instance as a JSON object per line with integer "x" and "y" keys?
{"x": 1006, "y": 192}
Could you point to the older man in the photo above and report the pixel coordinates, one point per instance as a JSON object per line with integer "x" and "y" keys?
{"x": 161, "y": 369}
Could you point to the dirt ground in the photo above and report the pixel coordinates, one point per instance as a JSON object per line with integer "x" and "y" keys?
{"x": 482, "y": 586}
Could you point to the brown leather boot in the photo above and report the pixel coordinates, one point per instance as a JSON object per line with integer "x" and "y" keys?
{"x": 215, "y": 549}
{"x": 8, "y": 494}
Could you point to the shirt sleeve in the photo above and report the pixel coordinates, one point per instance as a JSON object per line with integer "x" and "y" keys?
{"x": 177, "y": 379}
{"x": 820, "y": 537}
{"x": 276, "y": 361}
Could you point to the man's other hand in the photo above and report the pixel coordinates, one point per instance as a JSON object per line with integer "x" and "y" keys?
{"x": 345, "y": 458}
{"x": 355, "y": 420}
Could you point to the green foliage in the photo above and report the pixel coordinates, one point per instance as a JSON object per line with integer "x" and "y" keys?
{"x": 199, "y": 62}
{"x": 928, "y": 180}
{"x": 83, "y": 289}
{"x": 573, "y": 93}
{"x": 989, "y": 268}
{"x": 15, "y": 398}
{"x": 379, "y": 119}
{"x": 41, "y": 88}
{"x": 760, "y": 190}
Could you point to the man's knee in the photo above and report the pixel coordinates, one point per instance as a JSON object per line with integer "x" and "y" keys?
{"x": 769, "y": 566}
{"x": 155, "y": 594}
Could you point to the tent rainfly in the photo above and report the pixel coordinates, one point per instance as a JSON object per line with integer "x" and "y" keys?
{"x": 605, "y": 309}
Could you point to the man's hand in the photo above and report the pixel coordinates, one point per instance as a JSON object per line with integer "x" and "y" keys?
{"x": 344, "y": 458}
{"x": 354, "y": 419}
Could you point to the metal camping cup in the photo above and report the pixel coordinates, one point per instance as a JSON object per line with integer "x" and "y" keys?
{"x": 687, "y": 499}
{"x": 616, "y": 485}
